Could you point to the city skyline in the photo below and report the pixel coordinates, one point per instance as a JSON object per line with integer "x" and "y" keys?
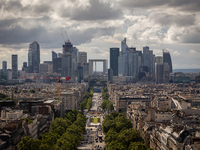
{"x": 99, "y": 25}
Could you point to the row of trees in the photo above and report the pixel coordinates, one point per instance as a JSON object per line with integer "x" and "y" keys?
{"x": 106, "y": 104}
{"x": 87, "y": 103}
{"x": 120, "y": 135}
{"x": 64, "y": 133}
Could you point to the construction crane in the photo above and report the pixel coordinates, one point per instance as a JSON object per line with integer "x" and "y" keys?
{"x": 63, "y": 37}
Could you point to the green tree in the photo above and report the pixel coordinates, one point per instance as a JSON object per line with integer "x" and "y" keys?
{"x": 104, "y": 104}
{"x": 49, "y": 140}
{"x": 138, "y": 146}
{"x": 110, "y": 106}
{"x": 105, "y": 96}
{"x": 32, "y": 91}
{"x": 59, "y": 125}
{"x": 82, "y": 106}
{"x": 28, "y": 143}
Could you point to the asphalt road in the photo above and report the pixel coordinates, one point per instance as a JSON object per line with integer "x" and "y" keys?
{"x": 89, "y": 142}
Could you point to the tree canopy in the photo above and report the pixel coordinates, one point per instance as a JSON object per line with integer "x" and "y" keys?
{"x": 64, "y": 133}
{"x": 120, "y": 135}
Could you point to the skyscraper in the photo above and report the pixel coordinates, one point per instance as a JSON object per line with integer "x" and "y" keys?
{"x": 34, "y": 57}
{"x": 57, "y": 65}
{"x": 59, "y": 55}
{"x": 114, "y": 54}
{"x": 167, "y": 59}
{"x": 124, "y": 46}
{"x": 158, "y": 59}
{"x": 25, "y": 67}
{"x": 54, "y": 55}
{"x": 110, "y": 75}
{"x": 14, "y": 66}
{"x": 67, "y": 60}
{"x": 148, "y": 59}
{"x": 159, "y": 73}
{"x": 4, "y": 66}
{"x": 82, "y": 58}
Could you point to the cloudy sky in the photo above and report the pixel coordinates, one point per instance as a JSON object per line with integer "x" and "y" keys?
{"x": 96, "y": 25}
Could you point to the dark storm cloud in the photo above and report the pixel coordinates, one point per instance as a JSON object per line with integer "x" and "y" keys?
{"x": 165, "y": 19}
{"x": 184, "y": 5}
{"x": 13, "y": 33}
{"x": 97, "y": 11}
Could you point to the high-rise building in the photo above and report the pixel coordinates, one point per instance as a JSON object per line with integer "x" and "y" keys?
{"x": 165, "y": 73}
{"x": 48, "y": 62}
{"x": 114, "y": 54}
{"x": 85, "y": 71}
{"x": 123, "y": 65}
{"x": 124, "y": 46}
{"x": 54, "y": 55}
{"x": 159, "y": 73}
{"x": 14, "y": 66}
{"x": 44, "y": 69}
{"x": 133, "y": 64}
{"x": 4, "y": 66}
{"x": 59, "y": 55}
{"x": 34, "y": 57}
{"x": 110, "y": 75}
{"x": 57, "y": 65}
{"x": 67, "y": 60}
{"x": 158, "y": 59}
{"x": 82, "y": 58}
{"x": 167, "y": 59}
{"x": 25, "y": 67}
{"x": 148, "y": 59}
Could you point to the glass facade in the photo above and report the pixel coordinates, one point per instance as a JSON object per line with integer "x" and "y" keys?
{"x": 14, "y": 66}
{"x": 114, "y": 54}
{"x": 123, "y": 65}
{"x": 54, "y": 55}
{"x": 167, "y": 58}
{"x": 34, "y": 57}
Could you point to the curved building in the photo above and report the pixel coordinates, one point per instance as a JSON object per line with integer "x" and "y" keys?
{"x": 167, "y": 59}
{"x": 34, "y": 57}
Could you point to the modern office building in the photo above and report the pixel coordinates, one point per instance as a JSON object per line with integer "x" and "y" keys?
{"x": 167, "y": 59}
{"x": 165, "y": 72}
{"x": 54, "y": 55}
{"x": 34, "y": 57}
{"x": 59, "y": 55}
{"x": 124, "y": 46}
{"x": 82, "y": 58}
{"x": 48, "y": 62}
{"x": 66, "y": 63}
{"x": 14, "y": 66}
{"x": 158, "y": 59}
{"x": 110, "y": 75}
{"x": 4, "y": 66}
{"x": 133, "y": 64}
{"x": 114, "y": 54}
{"x": 25, "y": 67}
{"x": 85, "y": 71}
{"x": 148, "y": 59}
{"x": 159, "y": 73}
{"x": 123, "y": 65}
{"x": 57, "y": 65}
{"x": 44, "y": 68}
